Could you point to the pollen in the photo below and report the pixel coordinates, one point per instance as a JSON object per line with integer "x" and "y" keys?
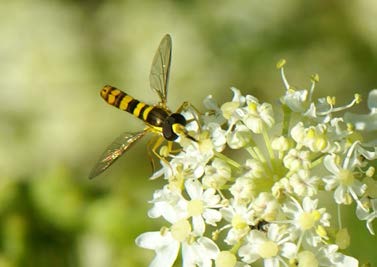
{"x": 331, "y": 100}
{"x": 280, "y": 63}
{"x": 252, "y": 107}
{"x": 321, "y": 231}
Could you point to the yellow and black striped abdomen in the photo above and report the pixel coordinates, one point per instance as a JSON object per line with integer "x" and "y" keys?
{"x": 154, "y": 116}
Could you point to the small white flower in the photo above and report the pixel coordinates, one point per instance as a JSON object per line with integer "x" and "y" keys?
{"x": 195, "y": 157}
{"x": 218, "y": 136}
{"x": 274, "y": 247}
{"x": 256, "y": 116}
{"x": 217, "y": 175}
{"x": 239, "y": 217}
{"x": 280, "y": 144}
{"x": 255, "y": 169}
{"x": 215, "y": 115}
{"x": 266, "y": 207}
{"x": 297, "y": 159}
{"x": 296, "y": 100}
{"x": 202, "y": 206}
{"x": 238, "y": 137}
{"x": 304, "y": 185}
{"x": 168, "y": 204}
{"x": 306, "y": 220}
{"x": 243, "y": 190}
{"x": 229, "y": 108}
{"x": 281, "y": 188}
{"x": 164, "y": 245}
{"x": 343, "y": 178}
{"x": 200, "y": 253}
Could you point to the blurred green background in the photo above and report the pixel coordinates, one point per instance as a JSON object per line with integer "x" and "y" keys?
{"x": 56, "y": 55}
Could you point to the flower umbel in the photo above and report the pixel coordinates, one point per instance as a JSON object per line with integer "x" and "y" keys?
{"x": 248, "y": 190}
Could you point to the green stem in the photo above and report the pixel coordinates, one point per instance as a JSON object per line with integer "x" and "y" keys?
{"x": 316, "y": 162}
{"x": 287, "y": 117}
{"x": 268, "y": 145}
{"x": 228, "y": 160}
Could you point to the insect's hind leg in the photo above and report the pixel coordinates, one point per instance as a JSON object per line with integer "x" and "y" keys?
{"x": 151, "y": 149}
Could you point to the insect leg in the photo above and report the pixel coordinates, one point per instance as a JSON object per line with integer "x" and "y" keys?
{"x": 171, "y": 149}
{"x": 150, "y": 146}
{"x": 186, "y": 106}
{"x": 157, "y": 144}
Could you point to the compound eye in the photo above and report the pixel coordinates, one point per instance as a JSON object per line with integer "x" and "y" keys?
{"x": 179, "y": 118}
{"x": 167, "y": 129}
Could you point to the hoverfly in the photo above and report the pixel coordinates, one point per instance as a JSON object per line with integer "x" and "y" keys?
{"x": 158, "y": 118}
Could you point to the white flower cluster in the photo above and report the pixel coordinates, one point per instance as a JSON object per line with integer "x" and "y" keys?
{"x": 248, "y": 190}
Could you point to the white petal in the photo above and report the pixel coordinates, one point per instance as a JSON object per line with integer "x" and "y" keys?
{"x": 358, "y": 187}
{"x": 330, "y": 181}
{"x": 198, "y": 225}
{"x": 227, "y": 213}
{"x": 212, "y": 216}
{"x": 308, "y": 204}
{"x": 210, "y": 246}
{"x": 166, "y": 256}
{"x": 329, "y": 162}
{"x": 247, "y": 254}
{"x": 346, "y": 261}
{"x": 151, "y": 240}
{"x": 289, "y": 250}
{"x": 271, "y": 262}
{"x": 188, "y": 255}
{"x": 166, "y": 248}
{"x": 370, "y": 226}
{"x": 210, "y": 198}
{"x": 339, "y": 194}
{"x": 372, "y": 99}
{"x": 194, "y": 189}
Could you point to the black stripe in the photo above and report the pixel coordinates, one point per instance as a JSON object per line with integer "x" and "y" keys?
{"x": 142, "y": 111}
{"x": 132, "y": 105}
{"x": 119, "y": 98}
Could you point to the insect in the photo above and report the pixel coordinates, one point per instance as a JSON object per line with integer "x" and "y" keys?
{"x": 157, "y": 118}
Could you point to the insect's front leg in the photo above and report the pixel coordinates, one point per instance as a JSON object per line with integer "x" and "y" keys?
{"x": 171, "y": 149}
{"x": 189, "y": 107}
{"x": 153, "y": 145}
{"x": 186, "y": 106}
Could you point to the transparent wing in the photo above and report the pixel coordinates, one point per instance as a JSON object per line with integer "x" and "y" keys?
{"x": 160, "y": 70}
{"x": 115, "y": 150}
